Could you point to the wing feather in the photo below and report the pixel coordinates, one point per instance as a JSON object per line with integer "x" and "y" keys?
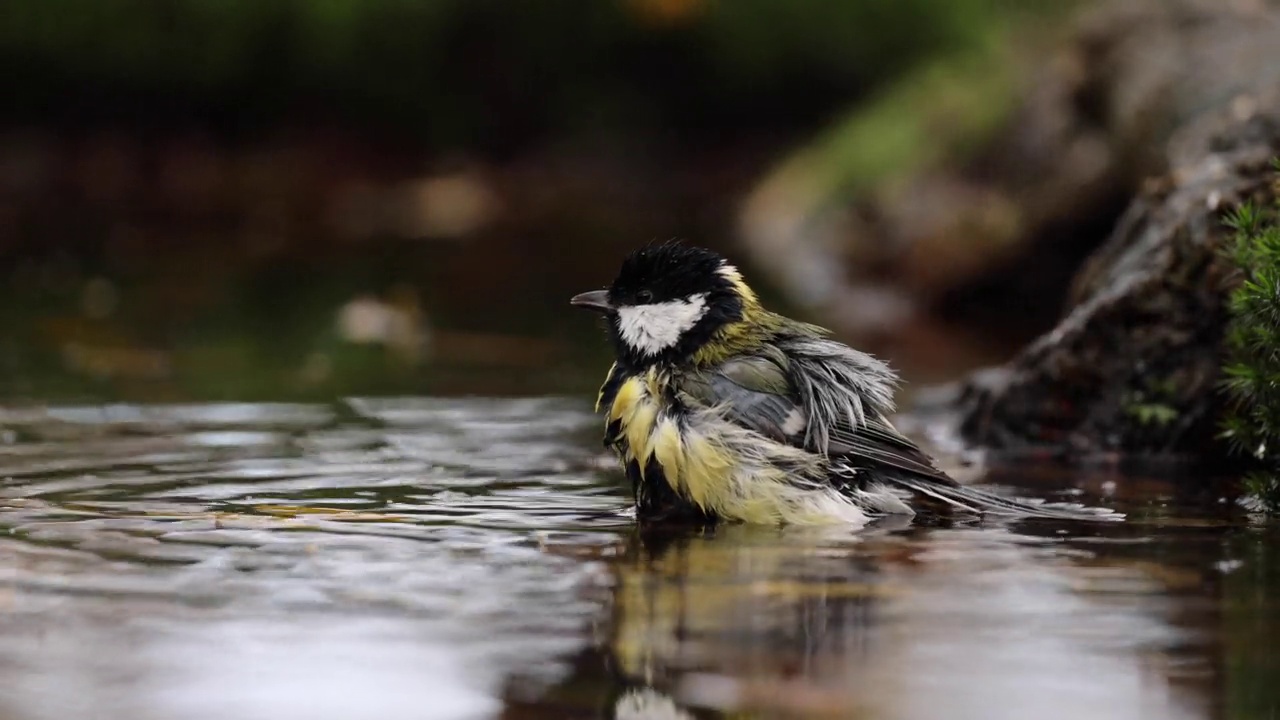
{"x": 752, "y": 392}
{"x": 877, "y": 442}
{"x": 758, "y": 392}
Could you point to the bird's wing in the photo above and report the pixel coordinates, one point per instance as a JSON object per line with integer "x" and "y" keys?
{"x": 752, "y": 391}
{"x": 756, "y": 392}
{"x": 876, "y": 442}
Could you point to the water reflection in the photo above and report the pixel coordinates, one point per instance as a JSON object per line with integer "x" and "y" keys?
{"x": 405, "y": 558}
{"x": 985, "y": 622}
{"x": 293, "y": 561}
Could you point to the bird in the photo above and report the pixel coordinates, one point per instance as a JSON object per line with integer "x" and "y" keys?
{"x": 720, "y": 410}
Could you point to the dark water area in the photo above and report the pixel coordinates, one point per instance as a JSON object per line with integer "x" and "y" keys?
{"x": 473, "y": 558}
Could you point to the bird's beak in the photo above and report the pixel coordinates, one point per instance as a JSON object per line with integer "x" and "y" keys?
{"x": 597, "y": 300}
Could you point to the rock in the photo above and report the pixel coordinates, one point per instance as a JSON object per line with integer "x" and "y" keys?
{"x": 1120, "y": 149}
{"x": 1133, "y": 366}
{"x": 993, "y": 212}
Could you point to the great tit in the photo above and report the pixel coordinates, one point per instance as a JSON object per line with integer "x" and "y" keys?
{"x": 720, "y": 410}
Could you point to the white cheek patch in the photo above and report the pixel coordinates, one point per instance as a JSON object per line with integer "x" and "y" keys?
{"x": 651, "y": 329}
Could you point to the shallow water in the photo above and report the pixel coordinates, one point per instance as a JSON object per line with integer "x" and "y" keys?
{"x": 419, "y": 558}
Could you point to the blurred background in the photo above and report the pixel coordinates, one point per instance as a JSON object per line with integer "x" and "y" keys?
{"x": 304, "y": 198}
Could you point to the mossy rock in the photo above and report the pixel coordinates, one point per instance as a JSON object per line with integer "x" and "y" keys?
{"x": 1148, "y": 317}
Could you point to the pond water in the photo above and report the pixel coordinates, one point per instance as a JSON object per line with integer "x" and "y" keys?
{"x": 473, "y": 558}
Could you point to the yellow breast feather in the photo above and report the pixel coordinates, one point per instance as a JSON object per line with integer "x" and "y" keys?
{"x": 722, "y": 468}
{"x": 608, "y": 379}
{"x": 635, "y": 410}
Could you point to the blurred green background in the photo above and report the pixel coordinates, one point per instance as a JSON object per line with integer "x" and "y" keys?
{"x": 305, "y": 198}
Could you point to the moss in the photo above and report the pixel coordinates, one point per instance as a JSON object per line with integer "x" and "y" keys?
{"x": 933, "y": 114}
{"x": 1155, "y": 404}
{"x": 1152, "y": 413}
{"x": 943, "y": 111}
{"x": 1252, "y": 370}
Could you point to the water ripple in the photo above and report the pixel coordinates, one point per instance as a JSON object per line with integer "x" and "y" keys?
{"x": 424, "y": 513}
{"x": 467, "y": 558}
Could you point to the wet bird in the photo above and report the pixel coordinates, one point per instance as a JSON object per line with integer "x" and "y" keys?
{"x": 720, "y": 410}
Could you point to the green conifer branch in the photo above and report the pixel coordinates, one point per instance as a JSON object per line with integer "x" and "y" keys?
{"x": 1251, "y": 374}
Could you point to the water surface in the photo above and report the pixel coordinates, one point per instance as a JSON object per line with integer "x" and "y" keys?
{"x": 432, "y": 558}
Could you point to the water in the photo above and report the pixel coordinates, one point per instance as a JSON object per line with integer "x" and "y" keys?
{"x": 421, "y": 558}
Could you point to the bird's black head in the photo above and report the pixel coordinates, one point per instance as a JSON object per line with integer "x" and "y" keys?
{"x": 667, "y": 302}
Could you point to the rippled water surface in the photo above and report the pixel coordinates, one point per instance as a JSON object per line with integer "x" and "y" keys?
{"x": 417, "y": 558}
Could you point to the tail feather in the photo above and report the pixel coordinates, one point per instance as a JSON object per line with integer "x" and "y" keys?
{"x": 986, "y": 503}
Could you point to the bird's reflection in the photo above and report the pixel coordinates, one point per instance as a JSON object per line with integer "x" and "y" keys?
{"x": 889, "y": 621}
{"x": 717, "y": 614}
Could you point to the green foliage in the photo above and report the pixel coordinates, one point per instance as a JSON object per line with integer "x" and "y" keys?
{"x": 1252, "y": 372}
{"x": 1264, "y": 490}
{"x": 476, "y": 73}
{"x": 1153, "y": 413}
{"x": 1154, "y": 404}
{"x": 937, "y": 113}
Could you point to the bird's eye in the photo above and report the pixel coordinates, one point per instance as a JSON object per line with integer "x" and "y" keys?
{"x": 644, "y": 296}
